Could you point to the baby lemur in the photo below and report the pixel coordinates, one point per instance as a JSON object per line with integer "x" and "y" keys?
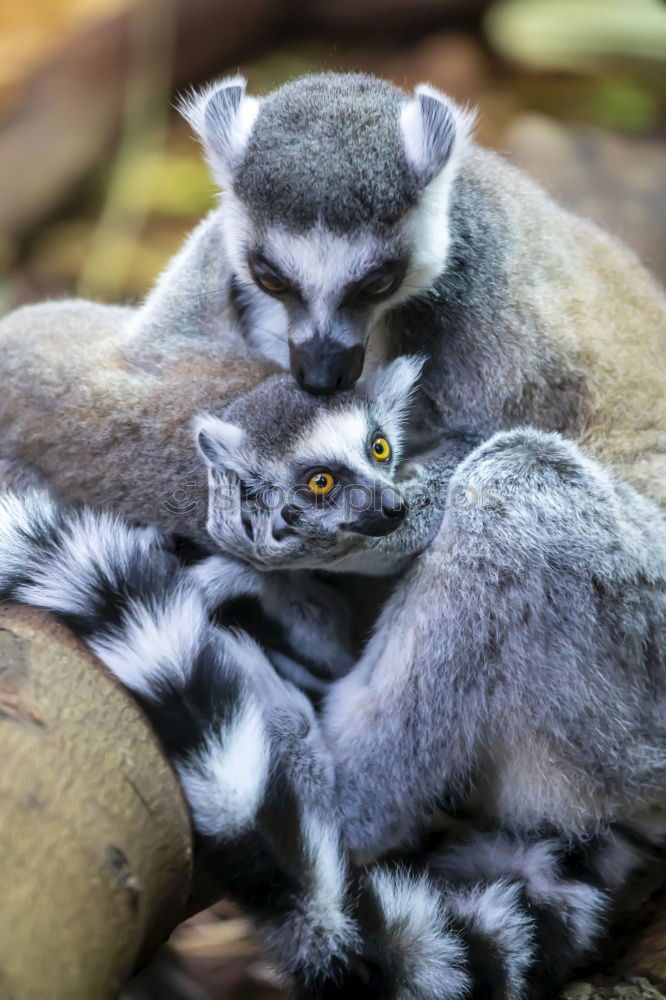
{"x": 516, "y": 675}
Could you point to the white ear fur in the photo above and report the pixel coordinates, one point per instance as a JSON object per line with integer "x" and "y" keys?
{"x": 393, "y": 384}
{"x": 219, "y": 442}
{"x": 433, "y": 129}
{"x": 222, "y": 116}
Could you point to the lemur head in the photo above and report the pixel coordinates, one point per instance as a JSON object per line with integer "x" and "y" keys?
{"x": 336, "y": 204}
{"x": 318, "y": 471}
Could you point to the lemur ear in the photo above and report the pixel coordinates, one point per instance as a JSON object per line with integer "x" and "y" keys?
{"x": 433, "y": 129}
{"x": 393, "y": 384}
{"x": 220, "y": 443}
{"x": 222, "y": 116}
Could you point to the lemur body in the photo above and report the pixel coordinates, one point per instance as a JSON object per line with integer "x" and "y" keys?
{"x": 538, "y": 607}
{"x": 517, "y": 673}
{"x": 526, "y": 614}
{"x": 97, "y": 405}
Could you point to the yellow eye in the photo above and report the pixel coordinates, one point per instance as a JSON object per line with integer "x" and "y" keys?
{"x": 381, "y": 449}
{"x": 321, "y": 483}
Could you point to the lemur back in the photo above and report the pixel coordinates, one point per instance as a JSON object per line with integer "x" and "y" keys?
{"x": 97, "y": 400}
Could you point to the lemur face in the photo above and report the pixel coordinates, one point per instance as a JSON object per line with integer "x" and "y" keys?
{"x": 319, "y": 472}
{"x": 335, "y": 208}
{"x": 333, "y": 288}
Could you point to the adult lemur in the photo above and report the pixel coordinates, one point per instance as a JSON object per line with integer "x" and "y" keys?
{"x": 517, "y": 675}
{"x": 368, "y": 219}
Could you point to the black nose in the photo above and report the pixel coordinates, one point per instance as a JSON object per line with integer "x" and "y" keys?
{"x": 290, "y": 514}
{"x": 381, "y": 517}
{"x": 322, "y": 366}
{"x": 393, "y": 506}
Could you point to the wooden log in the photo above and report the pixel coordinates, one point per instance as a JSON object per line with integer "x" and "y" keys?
{"x": 95, "y": 842}
{"x": 646, "y": 956}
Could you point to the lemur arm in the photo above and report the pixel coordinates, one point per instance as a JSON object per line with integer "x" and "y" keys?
{"x": 426, "y": 493}
{"x": 260, "y": 785}
{"x": 189, "y": 303}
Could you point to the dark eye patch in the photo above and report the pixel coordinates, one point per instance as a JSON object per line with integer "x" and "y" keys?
{"x": 266, "y": 273}
{"x": 370, "y": 288}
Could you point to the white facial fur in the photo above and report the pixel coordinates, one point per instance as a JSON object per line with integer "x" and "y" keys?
{"x": 322, "y": 263}
{"x": 428, "y": 222}
{"x": 338, "y": 439}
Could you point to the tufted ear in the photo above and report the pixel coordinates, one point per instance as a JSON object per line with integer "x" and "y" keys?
{"x": 393, "y": 384}
{"x": 433, "y": 129}
{"x": 222, "y": 116}
{"x": 221, "y": 444}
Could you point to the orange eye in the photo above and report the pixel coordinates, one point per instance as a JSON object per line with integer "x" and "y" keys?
{"x": 381, "y": 449}
{"x": 321, "y": 483}
{"x": 273, "y": 285}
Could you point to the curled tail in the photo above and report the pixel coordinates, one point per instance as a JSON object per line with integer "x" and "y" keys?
{"x": 496, "y": 915}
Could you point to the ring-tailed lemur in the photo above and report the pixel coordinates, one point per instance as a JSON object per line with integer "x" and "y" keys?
{"x": 517, "y": 673}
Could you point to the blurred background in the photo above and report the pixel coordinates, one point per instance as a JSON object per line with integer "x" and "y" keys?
{"x": 100, "y": 180}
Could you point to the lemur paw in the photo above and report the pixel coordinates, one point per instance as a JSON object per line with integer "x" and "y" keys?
{"x": 410, "y": 470}
{"x": 250, "y": 531}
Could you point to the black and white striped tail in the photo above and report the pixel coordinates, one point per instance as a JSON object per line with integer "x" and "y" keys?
{"x": 244, "y": 744}
{"x": 496, "y": 915}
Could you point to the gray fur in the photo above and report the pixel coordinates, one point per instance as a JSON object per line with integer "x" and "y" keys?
{"x": 498, "y": 909}
{"x": 324, "y": 149}
{"x": 537, "y": 675}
